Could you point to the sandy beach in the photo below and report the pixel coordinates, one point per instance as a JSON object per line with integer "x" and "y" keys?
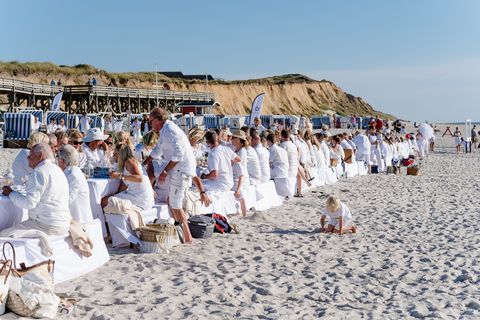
{"x": 415, "y": 256}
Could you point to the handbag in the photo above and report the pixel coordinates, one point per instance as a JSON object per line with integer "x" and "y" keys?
{"x": 4, "y": 285}
{"x": 32, "y": 290}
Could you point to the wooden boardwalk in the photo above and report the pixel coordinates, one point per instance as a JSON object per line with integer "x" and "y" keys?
{"x": 96, "y": 99}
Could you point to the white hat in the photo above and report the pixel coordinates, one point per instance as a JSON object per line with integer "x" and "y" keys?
{"x": 94, "y": 134}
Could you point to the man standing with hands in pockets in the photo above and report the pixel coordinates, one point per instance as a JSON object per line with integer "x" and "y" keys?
{"x": 173, "y": 163}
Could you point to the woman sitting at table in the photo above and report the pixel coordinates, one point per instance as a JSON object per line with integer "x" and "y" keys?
{"x": 195, "y": 136}
{"x": 76, "y": 140}
{"x": 79, "y": 193}
{"x": 135, "y": 185}
{"x": 20, "y": 167}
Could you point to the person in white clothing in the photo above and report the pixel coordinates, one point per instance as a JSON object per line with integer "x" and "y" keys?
{"x": 292, "y": 153}
{"x": 61, "y": 126}
{"x": 78, "y": 191}
{"x": 135, "y": 186}
{"x": 136, "y": 130}
{"x": 278, "y": 159}
{"x": 46, "y": 196}
{"x": 257, "y": 125}
{"x": 339, "y": 217}
{"x": 263, "y": 156}
{"x": 84, "y": 123}
{"x": 96, "y": 151}
{"x": 240, "y": 172}
{"x": 363, "y": 148}
{"x": 174, "y": 160}
{"x": 20, "y": 167}
{"x": 219, "y": 162}
{"x": 52, "y": 126}
{"x": 253, "y": 165}
{"x": 36, "y": 124}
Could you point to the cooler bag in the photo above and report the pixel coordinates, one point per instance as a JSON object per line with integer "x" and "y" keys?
{"x": 201, "y": 227}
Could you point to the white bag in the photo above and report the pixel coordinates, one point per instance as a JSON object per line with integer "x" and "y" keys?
{"x": 4, "y": 284}
{"x": 32, "y": 290}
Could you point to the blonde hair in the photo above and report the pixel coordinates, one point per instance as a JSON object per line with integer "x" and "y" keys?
{"x": 36, "y": 138}
{"x": 123, "y": 137}
{"x": 333, "y": 203}
{"x": 124, "y": 152}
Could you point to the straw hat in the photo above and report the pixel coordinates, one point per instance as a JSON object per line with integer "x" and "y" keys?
{"x": 239, "y": 134}
{"x": 196, "y": 133}
{"x": 94, "y": 134}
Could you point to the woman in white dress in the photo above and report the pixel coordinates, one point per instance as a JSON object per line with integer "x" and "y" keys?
{"x": 135, "y": 185}
{"x": 76, "y": 140}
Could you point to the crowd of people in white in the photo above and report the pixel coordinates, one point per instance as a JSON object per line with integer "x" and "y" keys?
{"x": 167, "y": 163}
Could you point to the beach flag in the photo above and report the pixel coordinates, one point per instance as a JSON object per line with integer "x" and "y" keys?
{"x": 256, "y": 107}
{"x": 56, "y": 102}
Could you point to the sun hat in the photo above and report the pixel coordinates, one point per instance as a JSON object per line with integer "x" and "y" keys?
{"x": 228, "y": 132}
{"x": 94, "y": 134}
{"x": 239, "y": 134}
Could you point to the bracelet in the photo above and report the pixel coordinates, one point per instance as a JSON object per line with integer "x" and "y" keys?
{"x": 202, "y": 192}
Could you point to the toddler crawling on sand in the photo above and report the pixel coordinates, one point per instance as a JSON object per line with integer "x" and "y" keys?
{"x": 339, "y": 217}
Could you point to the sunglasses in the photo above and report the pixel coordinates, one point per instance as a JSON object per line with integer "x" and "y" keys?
{"x": 108, "y": 142}
{"x": 76, "y": 143}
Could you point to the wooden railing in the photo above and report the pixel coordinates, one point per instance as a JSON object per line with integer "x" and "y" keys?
{"x": 9, "y": 85}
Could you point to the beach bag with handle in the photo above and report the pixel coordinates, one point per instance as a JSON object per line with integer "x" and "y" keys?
{"x": 32, "y": 290}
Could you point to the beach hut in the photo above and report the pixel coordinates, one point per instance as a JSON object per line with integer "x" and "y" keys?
{"x": 56, "y": 115}
{"x": 319, "y": 121}
{"x": 72, "y": 121}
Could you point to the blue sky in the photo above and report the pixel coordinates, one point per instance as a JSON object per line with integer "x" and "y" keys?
{"x": 419, "y": 60}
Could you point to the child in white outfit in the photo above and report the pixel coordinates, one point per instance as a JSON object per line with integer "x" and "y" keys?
{"x": 339, "y": 217}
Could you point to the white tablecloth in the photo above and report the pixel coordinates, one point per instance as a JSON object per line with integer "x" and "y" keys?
{"x": 10, "y": 214}
{"x": 100, "y": 188}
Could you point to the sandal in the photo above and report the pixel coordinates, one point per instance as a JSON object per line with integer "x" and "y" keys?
{"x": 298, "y": 195}
{"x": 235, "y": 228}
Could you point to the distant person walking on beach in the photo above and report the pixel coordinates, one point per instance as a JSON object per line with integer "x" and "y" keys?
{"x": 339, "y": 217}
{"x": 474, "y": 134}
{"x": 458, "y": 139}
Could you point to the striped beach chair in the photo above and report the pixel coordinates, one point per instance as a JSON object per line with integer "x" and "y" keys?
{"x": 72, "y": 122}
{"x": 56, "y": 115}
{"x": 210, "y": 121}
{"x": 97, "y": 121}
{"x": 35, "y": 113}
{"x": 17, "y": 128}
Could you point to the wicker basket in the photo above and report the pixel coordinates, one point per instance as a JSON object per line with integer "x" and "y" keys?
{"x": 413, "y": 171}
{"x": 158, "y": 238}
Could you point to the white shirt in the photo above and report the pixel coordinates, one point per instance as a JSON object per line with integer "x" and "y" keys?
{"x": 173, "y": 145}
{"x": 326, "y": 152}
{"x": 253, "y": 166}
{"x": 85, "y": 123}
{"x": 292, "y": 154}
{"x": 263, "y": 158}
{"x": 51, "y": 128}
{"x": 362, "y": 143}
{"x": 47, "y": 197}
{"x": 333, "y": 217}
{"x": 304, "y": 154}
{"x": 240, "y": 168}
{"x": 279, "y": 162}
{"x": 345, "y": 144}
{"x": 220, "y": 159}
{"x": 260, "y": 128}
{"x": 96, "y": 157}
{"x": 20, "y": 166}
{"x": 61, "y": 128}
{"x": 79, "y": 195}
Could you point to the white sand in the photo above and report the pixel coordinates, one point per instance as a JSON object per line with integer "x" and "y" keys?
{"x": 416, "y": 255}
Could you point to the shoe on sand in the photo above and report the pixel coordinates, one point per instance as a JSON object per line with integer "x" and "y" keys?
{"x": 235, "y": 228}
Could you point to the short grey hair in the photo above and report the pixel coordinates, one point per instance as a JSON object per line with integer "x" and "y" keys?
{"x": 44, "y": 149}
{"x": 52, "y": 139}
{"x": 69, "y": 155}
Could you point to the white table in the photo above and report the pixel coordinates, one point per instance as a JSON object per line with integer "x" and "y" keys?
{"x": 10, "y": 214}
{"x": 100, "y": 188}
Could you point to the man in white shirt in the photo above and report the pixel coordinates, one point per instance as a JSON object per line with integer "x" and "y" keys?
{"x": 79, "y": 193}
{"x": 220, "y": 172}
{"x": 174, "y": 160}
{"x": 85, "y": 122}
{"x": 253, "y": 166}
{"x": 263, "y": 157}
{"x": 46, "y": 198}
{"x": 257, "y": 125}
